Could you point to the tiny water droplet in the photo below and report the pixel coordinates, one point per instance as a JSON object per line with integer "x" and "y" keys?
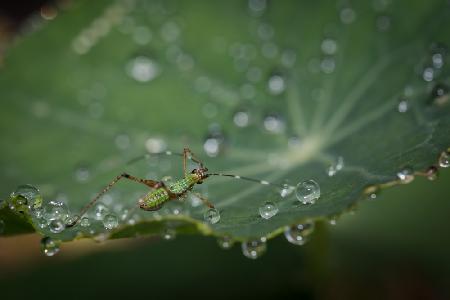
{"x": 49, "y": 246}
{"x": 286, "y": 190}
{"x": 440, "y": 94}
{"x": 71, "y": 220}
{"x": 327, "y": 65}
{"x": 428, "y": 74}
{"x": 406, "y": 175}
{"x": 110, "y": 221}
{"x": 254, "y": 248}
{"x": 268, "y": 210}
{"x": 336, "y": 166}
{"x": 432, "y": 173}
{"x": 444, "y": 159}
{"x": 56, "y": 225}
{"x": 169, "y": 234}
{"x": 438, "y": 60}
{"x": 329, "y": 46}
{"x": 100, "y": 211}
{"x": 299, "y": 234}
{"x": 225, "y": 242}
{"x": 307, "y": 191}
{"x": 167, "y": 179}
{"x": 403, "y": 105}
{"x": 274, "y": 123}
{"x": 142, "y": 69}
{"x": 212, "y": 216}
{"x": 241, "y": 118}
{"x": 276, "y": 84}
{"x": 85, "y": 222}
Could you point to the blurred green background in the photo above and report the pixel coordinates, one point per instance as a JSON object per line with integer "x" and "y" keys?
{"x": 394, "y": 247}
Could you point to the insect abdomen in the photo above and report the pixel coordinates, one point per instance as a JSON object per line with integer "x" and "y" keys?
{"x": 183, "y": 185}
{"x": 154, "y": 200}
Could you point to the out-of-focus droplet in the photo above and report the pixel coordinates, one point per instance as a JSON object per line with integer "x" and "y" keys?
{"x": 254, "y": 248}
{"x": 142, "y": 69}
{"x": 299, "y": 234}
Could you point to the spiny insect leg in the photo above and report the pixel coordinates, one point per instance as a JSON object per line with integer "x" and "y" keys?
{"x": 204, "y": 200}
{"x": 147, "y": 182}
{"x": 187, "y": 151}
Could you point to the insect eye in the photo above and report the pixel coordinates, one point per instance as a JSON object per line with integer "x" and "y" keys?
{"x": 194, "y": 171}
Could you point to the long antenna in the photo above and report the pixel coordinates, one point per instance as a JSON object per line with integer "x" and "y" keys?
{"x": 263, "y": 182}
{"x": 149, "y": 155}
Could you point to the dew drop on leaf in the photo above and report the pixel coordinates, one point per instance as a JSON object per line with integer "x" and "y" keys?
{"x": 142, "y": 69}
{"x": 212, "y": 216}
{"x": 254, "y": 248}
{"x": 100, "y": 211}
{"x": 268, "y": 210}
{"x": 307, "y": 191}
{"x": 110, "y": 221}
{"x": 273, "y": 123}
{"x": 56, "y": 225}
{"x": 299, "y": 234}
{"x": 444, "y": 159}
{"x": 286, "y": 190}
{"x": 336, "y": 166}
{"x": 49, "y": 247}
{"x": 403, "y": 105}
{"x": 225, "y": 242}
{"x": 406, "y": 175}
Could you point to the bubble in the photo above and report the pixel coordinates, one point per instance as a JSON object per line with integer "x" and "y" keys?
{"x": 268, "y": 210}
{"x": 49, "y": 246}
{"x": 440, "y": 94}
{"x": 110, "y": 221}
{"x": 169, "y": 234}
{"x": 254, "y": 248}
{"x": 299, "y": 234}
{"x": 336, "y": 166}
{"x": 82, "y": 174}
{"x": 406, "y": 175}
{"x": 307, "y": 191}
{"x": 329, "y": 46}
{"x": 100, "y": 211}
{"x": 84, "y": 222}
{"x": 403, "y": 105}
{"x": 347, "y": 15}
{"x": 2, "y": 226}
{"x": 225, "y": 242}
{"x": 212, "y": 216}
{"x": 286, "y": 190}
{"x": 56, "y": 225}
{"x": 273, "y": 123}
{"x": 444, "y": 159}
{"x": 142, "y": 69}
{"x": 241, "y": 118}
{"x": 276, "y": 84}
{"x": 428, "y": 74}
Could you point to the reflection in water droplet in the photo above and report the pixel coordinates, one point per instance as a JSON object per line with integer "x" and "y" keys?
{"x": 212, "y": 216}
{"x": 444, "y": 159}
{"x": 406, "y": 175}
{"x": 276, "y": 84}
{"x": 307, "y": 191}
{"x": 49, "y": 246}
{"x": 254, "y": 248}
{"x": 241, "y": 118}
{"x": 274, "y": 124}
{"x": 142, "y": 69}
{"x": 225, "y": 242}
{"x": 299, "y": 234}
{"x": 268, "y": 210}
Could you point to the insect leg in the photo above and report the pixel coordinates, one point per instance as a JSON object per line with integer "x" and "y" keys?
{"x": 148, "y": 182}
{"x": 204, "y": 200}
{"x": 193, "y": 157}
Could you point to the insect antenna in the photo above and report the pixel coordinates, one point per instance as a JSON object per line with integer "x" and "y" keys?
{"x": 153, "y": 154}
{"x": 263, "y": 182}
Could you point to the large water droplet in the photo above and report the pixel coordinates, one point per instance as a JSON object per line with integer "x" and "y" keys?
{"x": 56, "y": 210}
{"x": 444, "y": 159}
{"x": 225, "y": 242}
{"x": 110, "y": 221}
{"x": 212, "y": 216}
{"x": 299, "y": 234}
{"x": 27, "y": 195}
{"x": 406, "y": 175}
{"x": 268, "y": 210}
{"x": 49, "y": 246}
{"x": 142, "y": 69}
{"x": 307, "y": 191}
{"x": 254, "y": 248}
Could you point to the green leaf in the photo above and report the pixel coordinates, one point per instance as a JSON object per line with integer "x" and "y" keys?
{"x": 273, "y": 91}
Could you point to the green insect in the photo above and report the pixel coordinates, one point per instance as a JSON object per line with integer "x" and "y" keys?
{"x": 162, "y": 193}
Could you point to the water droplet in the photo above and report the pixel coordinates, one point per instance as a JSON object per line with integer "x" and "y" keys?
{"x": 169, "y": 234}
{"x": 432, "y": 173}
{"x": 56, "y": 210}
{"x": 42, "y": 223}
{"x": 100, "y": 211}
{"x": 286, "y": 190}
{"x": 265, "y": 31}
{"x": 268, "y": 210}
{"x": 155, "y": 145}
{"x": 225, "y": 242}
{"x": 49, "y": 246}
{"x": 142, "y": 69}
{"x": 27, "y": 192}
{"x": 444, "y": 159}
{"x": 56, "y": 225}
{"x": 212, "y": 216}
{"x": 82, "y": 174}
{"x": 241, "y": 118}
{"x": 329, "y": 46}
{"x": 372, "y": 192}
{"x": 214, "y": 142}
{"x": 347, "y": 15}
{"x": 403, "y": 105}
{"x": 71, "y": 220}
{"x": 299, "y": 234}
{"x": 170, "y": 31}
{"x": 327, "y": 65}
{"x": 276, "y": 84}
{"x": 336, "y": 166}
{"x": 2, "y": 226}
{"x": 307, "y": 191}
{"x": 440, "y": 94}
{"x": 438, "y": 60}
{"x": 110, "y": 221}
{"x": 254, "y": 74}
{"x": 428, "y": 74}
{"x": 254, "y": 248}
{"x": 406, "y": 175}
{"x": 84, "y": 222}
{"x": 274, "y": 123}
